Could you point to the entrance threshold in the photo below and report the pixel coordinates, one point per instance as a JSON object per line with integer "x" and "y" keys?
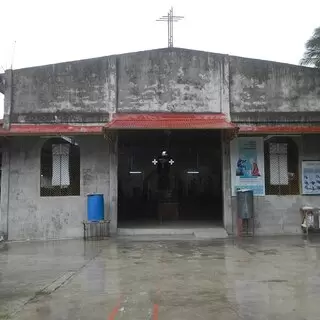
{"x": 197, "y": 229}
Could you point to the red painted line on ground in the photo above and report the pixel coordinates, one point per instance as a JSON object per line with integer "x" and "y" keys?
{"x": 114, "y": 311}
{"x": 155, "y": 312}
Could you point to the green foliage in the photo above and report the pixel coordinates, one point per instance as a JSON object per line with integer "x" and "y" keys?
{"x": 311, "y": 56}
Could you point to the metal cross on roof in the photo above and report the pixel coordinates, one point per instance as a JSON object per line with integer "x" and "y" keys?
{"x": 170, "y": 19}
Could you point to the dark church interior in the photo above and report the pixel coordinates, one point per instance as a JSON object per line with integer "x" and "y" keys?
{"x": 169, "y": 176}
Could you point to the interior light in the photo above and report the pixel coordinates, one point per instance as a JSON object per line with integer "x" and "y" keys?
{"x": 135, "y": 172}
{"x": 193, "y": 172}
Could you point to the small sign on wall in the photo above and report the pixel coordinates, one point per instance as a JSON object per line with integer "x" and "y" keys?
{"x": 247, "y": 165}
{"x": 310, "y": 177}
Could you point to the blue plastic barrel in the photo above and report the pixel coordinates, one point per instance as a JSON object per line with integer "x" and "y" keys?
{"x": 95, "y": 207}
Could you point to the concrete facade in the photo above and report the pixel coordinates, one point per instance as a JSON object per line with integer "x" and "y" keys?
{"x": 26, "y": 215}
{"x": 73, "y": 92}
{"x": 164, "y": 80}
{"x": 173, "y": 81}
{"x": 90, "y": 92}
{"x": 265, "y": 86}
{"x": 275, "y": 215}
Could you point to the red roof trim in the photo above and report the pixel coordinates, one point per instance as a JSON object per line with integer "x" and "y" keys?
{"x": 157, "y": 121}
{"x": 47, "y": 129}
{"x": 280, "y": 129}
{"x": 127, "y": 121}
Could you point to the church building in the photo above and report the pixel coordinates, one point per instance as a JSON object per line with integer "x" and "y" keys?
{"x": 167, "y": 136}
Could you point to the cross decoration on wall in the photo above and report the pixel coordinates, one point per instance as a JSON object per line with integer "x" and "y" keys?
{"x": 163, "y": 163}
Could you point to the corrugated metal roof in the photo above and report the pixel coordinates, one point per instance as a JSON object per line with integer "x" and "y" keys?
{"x": 48, "y": 129}
{"x": 278, "y": 129}
{"x": 169, "y": 121}
{"x": 276, "y": 118}
{"x": 159, "y": 121}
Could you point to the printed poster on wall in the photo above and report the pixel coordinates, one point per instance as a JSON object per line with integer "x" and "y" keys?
{"x": 310, "y": 177}
{"x": 247, "y": 165}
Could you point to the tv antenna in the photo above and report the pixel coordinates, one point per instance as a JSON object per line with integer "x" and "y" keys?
{"x": 170, "y": 19}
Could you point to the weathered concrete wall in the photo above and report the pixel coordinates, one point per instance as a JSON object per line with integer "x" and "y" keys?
{"x": 35, "y": 217}
{"x": 112, "y": 198}
{"x": 87, "y": 91}
{"x": 164, "y": 80}
{"x": 78, "y": 91}
{"x": 5, "y": 183}
{"x": 8, "y": 86}
{"x": 280, "y": 214}
{"x": 173, "y": 80}
{"x": 264, "y": 86}
{"x": 228, "y": 218}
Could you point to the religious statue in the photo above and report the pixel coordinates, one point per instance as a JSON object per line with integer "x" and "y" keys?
{"x": 163, "y": 163}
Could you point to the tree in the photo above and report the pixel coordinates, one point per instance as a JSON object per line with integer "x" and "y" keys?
{"x": 311, "y": 56}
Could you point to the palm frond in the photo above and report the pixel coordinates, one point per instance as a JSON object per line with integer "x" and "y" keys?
{"x": 311, "y": 56}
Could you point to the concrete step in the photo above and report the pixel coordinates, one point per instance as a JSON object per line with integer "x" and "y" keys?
{"x": 199, "y": 233}
{"x": 211, "y": 233}
{"x": 148, "y": 238}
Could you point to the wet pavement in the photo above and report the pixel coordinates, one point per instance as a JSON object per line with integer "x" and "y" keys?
{"x": 264, "y": 278}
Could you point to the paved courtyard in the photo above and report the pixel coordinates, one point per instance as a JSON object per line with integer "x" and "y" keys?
{"x": 264, "y": 278}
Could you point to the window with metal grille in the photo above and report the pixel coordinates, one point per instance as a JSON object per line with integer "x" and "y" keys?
{"x": 60, "y": 168}
{"x": 281, "y": 166}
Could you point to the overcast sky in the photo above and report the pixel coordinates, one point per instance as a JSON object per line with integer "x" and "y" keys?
{"x": 48, "y": 31}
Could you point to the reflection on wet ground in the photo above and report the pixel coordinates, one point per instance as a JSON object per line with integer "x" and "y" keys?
{"x": 262, "y": 278}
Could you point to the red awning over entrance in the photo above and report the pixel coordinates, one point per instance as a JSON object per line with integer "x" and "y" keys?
{"x": 170, "y": 121}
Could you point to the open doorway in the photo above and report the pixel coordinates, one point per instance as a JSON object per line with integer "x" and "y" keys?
{"x": 169, "y": 176}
